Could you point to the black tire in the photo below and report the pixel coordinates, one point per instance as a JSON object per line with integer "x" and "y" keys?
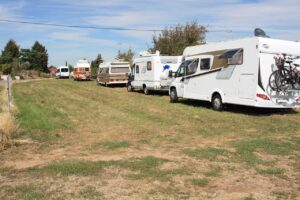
{"x": 217, "y": 103}
{"x": 274, "y": 80}
{"x": 173, "y": 96}
{"x": 129, "y": 88}
{"x": 145, "y": 89}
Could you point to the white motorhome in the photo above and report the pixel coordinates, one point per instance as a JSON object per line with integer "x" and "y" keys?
{"x": 150, "y": 72}
{"x": 62, "y": 72}
{"x": 82, "y": 70}
{"x": 234, "y": 72}
{"x": 112, "y": 73}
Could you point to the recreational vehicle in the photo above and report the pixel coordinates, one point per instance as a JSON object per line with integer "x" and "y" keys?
{"x": 237, "y": 72}
{"x": 150, "y": 72}
{"x": 82, "y": 70}
{"x": 112, "y": 73}
{"x": 62, "y": 72}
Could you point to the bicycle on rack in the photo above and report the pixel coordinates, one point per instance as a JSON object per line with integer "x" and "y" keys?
{"x": 287, "y": 75}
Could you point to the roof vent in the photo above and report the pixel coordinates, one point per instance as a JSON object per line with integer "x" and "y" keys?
{"x": 258, "y": 32}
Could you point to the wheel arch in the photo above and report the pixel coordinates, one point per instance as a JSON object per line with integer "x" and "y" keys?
{"x": 217, "y": 92}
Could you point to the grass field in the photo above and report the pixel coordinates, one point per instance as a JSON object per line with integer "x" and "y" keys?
{"x": 92, "y": 142}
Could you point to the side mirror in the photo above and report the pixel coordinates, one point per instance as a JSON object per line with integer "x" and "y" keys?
{"x": 170, "y": 74}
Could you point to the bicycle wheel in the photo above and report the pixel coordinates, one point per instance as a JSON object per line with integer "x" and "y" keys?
{"x": 297, "y": 82}
{"x": 274, "y": 80}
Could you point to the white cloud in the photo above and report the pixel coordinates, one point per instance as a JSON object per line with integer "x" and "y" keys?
{"x": 81, "y": 37}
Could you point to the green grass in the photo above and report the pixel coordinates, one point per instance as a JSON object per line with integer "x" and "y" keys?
{"x": 206, "y": 153}
{"x": 145, "y": 167}
{"x": 24, "y": 192}
{"x": 245, "y": 149}
{"x": 200, "y": 182}
{"x": 271, "y": 171}
{"x": 90, "y": 192}
{"x": 112, "y": 145}
{"x": 214, "y": 171}
{"x": 47, "y": 106}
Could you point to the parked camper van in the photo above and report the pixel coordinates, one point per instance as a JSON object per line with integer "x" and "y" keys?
{"x": 235, "y": 72}
{"x": 150, "y": 72}
{"x": 82, "y": 70}
{"x": 62, "y": 72}
{"x": 112, "y": 73}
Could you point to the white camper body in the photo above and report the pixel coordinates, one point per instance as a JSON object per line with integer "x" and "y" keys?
{"x": 82, "y": 70}
{"x": 62, "y": 72}
{"x": 150, "y": 72}
{"x": 234, "y": 72}
{"x": 112, "y": 73}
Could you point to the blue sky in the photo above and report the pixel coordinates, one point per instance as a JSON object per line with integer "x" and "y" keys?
{"x": 280, "y": 19}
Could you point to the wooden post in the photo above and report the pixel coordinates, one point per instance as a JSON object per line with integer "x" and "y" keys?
{"x": 8, "y": 92}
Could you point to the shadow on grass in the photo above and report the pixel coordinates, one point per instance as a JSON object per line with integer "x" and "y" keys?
{"x": 239, "y": 109}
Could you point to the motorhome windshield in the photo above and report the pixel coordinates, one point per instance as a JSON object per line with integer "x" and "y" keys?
{"x": 119, "y": 70}
{"x": 64, "y": 70}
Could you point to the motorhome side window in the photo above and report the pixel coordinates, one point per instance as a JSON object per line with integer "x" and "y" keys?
{"x": 149, "y": 66}
{"x": 234, "y": 56}
{"x": 205, "y": 64}
{"x": 137, "y": 69}
{"x": 192, "y": 67}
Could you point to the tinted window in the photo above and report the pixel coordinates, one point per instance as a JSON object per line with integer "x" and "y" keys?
{"x": 149, "y": 66}
{"x": 205, "y": 64}
{"x": 87, "y": 69}
{"x": 137, "y": 69}
{"x": 64, "y": 70}
{"x": 234, "y": 56}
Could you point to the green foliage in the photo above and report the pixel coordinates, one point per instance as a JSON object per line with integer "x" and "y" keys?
{"x": 200, "y": 182}
{"x": 11, "y": 51}
{"x": 126, "y": 56}
{"x": 172, "y": 41}
{"x": 39, "y": 57}
{"x": 95, "y": 65}
{"x": 9, "y": 58}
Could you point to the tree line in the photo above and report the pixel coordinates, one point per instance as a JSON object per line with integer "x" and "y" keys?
{"x": 170, "y": 41}
{"x": 14, "y": 59}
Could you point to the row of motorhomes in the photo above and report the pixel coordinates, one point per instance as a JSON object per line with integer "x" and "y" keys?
{"x": 82, "y": 71}
{"x": 230, "y": 72}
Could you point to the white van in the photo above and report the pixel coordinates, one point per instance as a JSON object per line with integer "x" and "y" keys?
{"x": 235, "y": 72}
{"x": 150, "y": 72}
{"x": 62, "y": 72}
{"x": 112, "y": 73}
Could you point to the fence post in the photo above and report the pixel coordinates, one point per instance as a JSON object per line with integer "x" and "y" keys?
{"x": 8, "y": 93}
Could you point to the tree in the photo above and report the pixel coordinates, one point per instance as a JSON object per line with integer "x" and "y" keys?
{"x": 11, "y": 51}
{"x": 95, "y": 65}
{"x": 39, "y": 57}
{"x": 9, "y": 57}
{"x": 173, "y": 41}
{"x": 126, "y": 56}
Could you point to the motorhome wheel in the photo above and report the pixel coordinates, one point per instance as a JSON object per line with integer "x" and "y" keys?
{"x": 173, "y": 96}
{"x": 129, "y": 88}
{"x": 146, "y": 91}
{"x": 217, "y": 103}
